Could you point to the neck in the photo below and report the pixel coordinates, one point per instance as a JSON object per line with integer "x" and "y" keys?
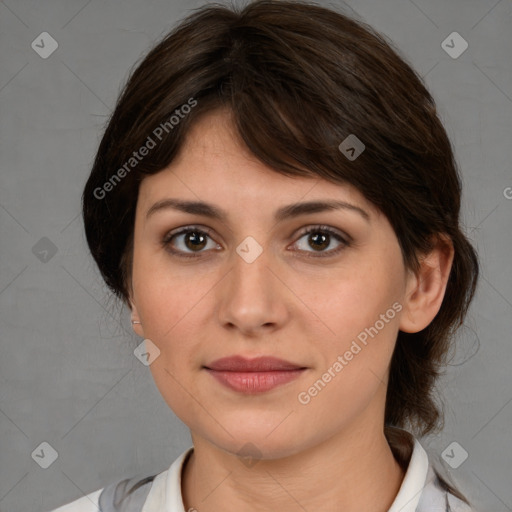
{"x": 351, "y": 471}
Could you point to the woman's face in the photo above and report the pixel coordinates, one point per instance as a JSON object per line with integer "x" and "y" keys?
{"x": 256, "y": 285}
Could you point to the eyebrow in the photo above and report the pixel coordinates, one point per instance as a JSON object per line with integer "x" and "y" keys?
{"x": 283, "y": 213}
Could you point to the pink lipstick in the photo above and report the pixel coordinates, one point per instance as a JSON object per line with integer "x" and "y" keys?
{"x": 253, "y": 375}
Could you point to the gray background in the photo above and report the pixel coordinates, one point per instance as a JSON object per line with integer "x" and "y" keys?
{"x": 68, "y": 375}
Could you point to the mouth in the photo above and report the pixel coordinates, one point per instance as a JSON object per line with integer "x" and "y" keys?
{"x": 253, "y": 376}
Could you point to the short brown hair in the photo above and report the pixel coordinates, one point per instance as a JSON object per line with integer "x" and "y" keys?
{"x": 298, "y": 79}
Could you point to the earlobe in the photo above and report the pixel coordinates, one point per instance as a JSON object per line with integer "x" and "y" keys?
{"x": 426, "y": 288}
{"x": 136, "y": 322}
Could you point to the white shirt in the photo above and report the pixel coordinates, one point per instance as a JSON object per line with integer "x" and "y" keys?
{"x": 419, "y": 492}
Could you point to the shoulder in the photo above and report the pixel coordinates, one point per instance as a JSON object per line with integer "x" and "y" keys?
{"x": 423, "y": 488}
{"x": 437, "y": 496}
{"x": 127, "y": 494}
{"x": 457, "y": 505}
{"x": 88, "y": 503}
{"x": 153, "y": 492}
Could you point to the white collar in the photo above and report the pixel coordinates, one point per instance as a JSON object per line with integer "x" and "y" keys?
{"x": 414, "y": 481}
{"x": 166, "y": 494}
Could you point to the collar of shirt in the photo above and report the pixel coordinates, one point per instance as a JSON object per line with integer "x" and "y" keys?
{"x": 166, "y": 494}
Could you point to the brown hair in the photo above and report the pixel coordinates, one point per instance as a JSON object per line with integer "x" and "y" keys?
{"x": 298, "y": 79}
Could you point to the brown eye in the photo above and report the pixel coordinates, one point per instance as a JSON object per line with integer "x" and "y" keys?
{"x": 318, "y": 241}
{"x": 188, "y": 241}
{"x": 194, "y": 240}
{"x": 319, "y": 238}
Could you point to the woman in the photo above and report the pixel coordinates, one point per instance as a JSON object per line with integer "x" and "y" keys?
{"x": 277, "y": 202}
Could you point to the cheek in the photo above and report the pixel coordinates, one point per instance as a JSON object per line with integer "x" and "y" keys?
{"x": 361, "y": 311}
{"x": 354, "y": 360}
{"x": 352, "y": 299}
{"x": 163, "y": 293}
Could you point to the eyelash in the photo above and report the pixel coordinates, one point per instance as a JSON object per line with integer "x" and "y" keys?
{"x": 166, "y": 241}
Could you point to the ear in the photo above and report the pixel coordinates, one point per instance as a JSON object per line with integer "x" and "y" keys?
{"x": 137, "y": 328}
{"x": 425, "y": 289}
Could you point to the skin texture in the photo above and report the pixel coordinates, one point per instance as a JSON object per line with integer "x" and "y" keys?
{"x": 328, "y": 454}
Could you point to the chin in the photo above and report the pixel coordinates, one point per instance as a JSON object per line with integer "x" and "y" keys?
{"x": 255, "y": 443}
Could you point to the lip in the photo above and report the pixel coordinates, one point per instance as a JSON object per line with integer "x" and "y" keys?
{"x": 257, "y": 364}
{"x": 253, "y": 376}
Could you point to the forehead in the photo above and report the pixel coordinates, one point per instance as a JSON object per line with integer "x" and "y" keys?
{"x": 214, "y": 165}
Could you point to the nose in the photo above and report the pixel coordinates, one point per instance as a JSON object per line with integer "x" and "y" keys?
{"x": 252, "y": 297}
